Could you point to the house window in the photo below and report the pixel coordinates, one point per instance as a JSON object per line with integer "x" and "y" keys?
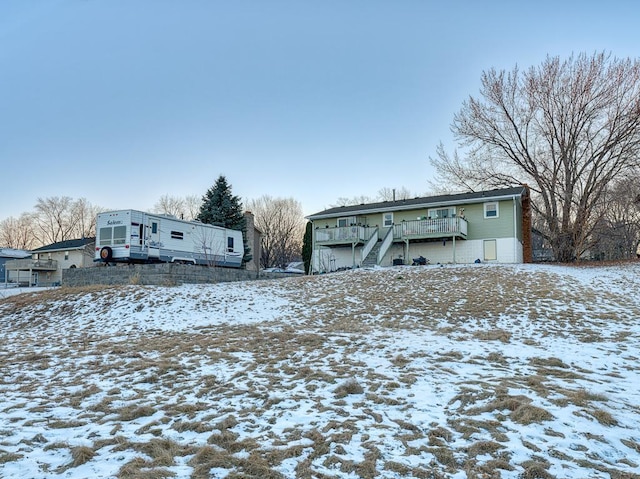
{"x": 177, "y": 235}
{"x": 387, "y": 220}
{"x": 491, "y": 210}
{"x": 490, "y": 250}
{"x": 347, "y": 221}
{"x": 66, "y": 256}
{"x": 230, "y": 244}
{"x": 442, "y": 213}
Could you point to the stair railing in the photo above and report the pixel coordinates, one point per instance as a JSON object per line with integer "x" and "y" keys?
{"x": 371, "y": 242}
{"x": 386, "y": 244}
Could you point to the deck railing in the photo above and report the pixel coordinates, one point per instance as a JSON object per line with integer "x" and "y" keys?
{"x": 430, "y": 228}
{"x": 405, "y": 230}
{"x": 344, "y": 234}
{"x": 35, "y": 264}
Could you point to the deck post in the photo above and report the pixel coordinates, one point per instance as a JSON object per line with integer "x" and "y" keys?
{"x": 454, "y": 249}
{"x": 353, "y": 255}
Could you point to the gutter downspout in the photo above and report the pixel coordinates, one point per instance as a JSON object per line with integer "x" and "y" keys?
{"x": 313, "y": 248}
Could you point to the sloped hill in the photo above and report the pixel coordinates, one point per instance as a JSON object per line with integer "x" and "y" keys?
{"x": 429, "y": 372}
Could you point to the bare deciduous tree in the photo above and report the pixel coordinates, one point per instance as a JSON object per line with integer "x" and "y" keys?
{"x": 18, "y": 232}
{"x": 392, "y": 194}
{"x": 84, "y": 216}
{"x": 282, "y": 224}
{"x": 384, "y": 194}
{"x": 62, "y": 218}
{"x": 192, "y": 206}
{"x": 567, "y": 128}
{"x": 186, "y": 208}
{"x": 617, "y": 234}
{"x": 355, "y": 200}
{"x": 170, "y": 205}
{"x": 52, "y": 219}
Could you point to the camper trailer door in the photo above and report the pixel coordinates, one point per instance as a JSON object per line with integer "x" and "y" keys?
{"x": 153, "y": 232}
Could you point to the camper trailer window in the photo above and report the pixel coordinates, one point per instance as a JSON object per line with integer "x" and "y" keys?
{"x": 105, "y": 236}
{"x": 230, "y": 244}
{"x": 177, "y": 235}
{"x": 120, "y": 235}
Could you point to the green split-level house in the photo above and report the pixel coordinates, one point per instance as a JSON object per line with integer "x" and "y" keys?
{"x": 490, "y": 226}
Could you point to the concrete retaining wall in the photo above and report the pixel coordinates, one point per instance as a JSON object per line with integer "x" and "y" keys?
{"x": 162, "y": 274}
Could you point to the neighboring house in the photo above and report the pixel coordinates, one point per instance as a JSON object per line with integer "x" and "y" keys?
{"x": 490, "y": 226}
{"x": 45, "y": 266}
{"x": 10, "y": 254}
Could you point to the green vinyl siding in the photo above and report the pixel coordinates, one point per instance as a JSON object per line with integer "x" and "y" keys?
{"x": 481, "y": 227}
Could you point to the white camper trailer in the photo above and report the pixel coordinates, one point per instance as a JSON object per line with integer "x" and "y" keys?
{"x": 136, "y": 237}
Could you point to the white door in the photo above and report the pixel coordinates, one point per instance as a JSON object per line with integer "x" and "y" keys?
{"x": 154, "y": 238}
{"x": 490, "y": 250}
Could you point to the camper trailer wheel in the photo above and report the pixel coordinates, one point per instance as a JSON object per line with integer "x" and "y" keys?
{"x": 106, "y": 253}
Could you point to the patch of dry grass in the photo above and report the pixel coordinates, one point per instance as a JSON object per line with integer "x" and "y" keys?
{"x": 350, "y": 386}
{"x": 6, "y": 457}
{"x": 248, "y": 379}
{"x": 81, "y": 455}
{"x": 140, "y": 468}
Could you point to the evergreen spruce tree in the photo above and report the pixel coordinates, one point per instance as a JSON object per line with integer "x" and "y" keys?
{"x": 307, "y": 247}
{"x": 221, "y": 208}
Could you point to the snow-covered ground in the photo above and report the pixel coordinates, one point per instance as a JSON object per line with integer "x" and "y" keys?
{"x": 502, "y": 371}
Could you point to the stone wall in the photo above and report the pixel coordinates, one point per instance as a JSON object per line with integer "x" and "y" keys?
{"x": 161, "y": 274}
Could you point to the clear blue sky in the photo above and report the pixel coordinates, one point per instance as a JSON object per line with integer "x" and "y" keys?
{"x": 123, "y": 101}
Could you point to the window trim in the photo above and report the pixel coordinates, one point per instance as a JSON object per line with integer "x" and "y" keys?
{"x": 486, "y": 210}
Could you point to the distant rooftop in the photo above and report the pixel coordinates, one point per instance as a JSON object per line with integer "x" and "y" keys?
{"x": 13, "y": 253}
{"x": 65, "y": 245}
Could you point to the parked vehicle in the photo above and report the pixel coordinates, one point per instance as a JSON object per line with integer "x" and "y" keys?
{"x": 133, "y": 236}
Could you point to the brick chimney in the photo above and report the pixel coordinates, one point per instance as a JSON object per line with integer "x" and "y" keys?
{"x": 254, "y": 241}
